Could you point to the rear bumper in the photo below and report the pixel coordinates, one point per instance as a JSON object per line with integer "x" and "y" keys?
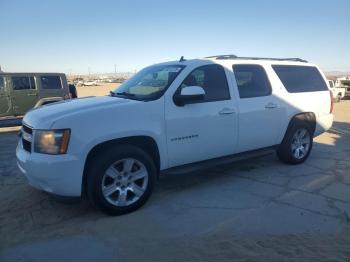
{"x": 323, "y": 123}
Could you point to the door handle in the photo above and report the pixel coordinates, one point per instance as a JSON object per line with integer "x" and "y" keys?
{"x": 226, "y": 111}
{"x": 31, "y": 94}
{"x": 270, "y": 105}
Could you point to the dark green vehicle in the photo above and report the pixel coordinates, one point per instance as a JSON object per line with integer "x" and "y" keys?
{"x": 19, "y": 92}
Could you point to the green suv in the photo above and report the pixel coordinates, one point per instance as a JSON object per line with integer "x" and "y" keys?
{"x": 19, "y": 92}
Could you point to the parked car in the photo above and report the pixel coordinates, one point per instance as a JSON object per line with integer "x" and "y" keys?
{"x": 193, "y": 114}
{"x": 89, "y": 83}
{"x": 338, "y": 92}
{"x": 344, "y": 82}
{"x": 20, "y": 92}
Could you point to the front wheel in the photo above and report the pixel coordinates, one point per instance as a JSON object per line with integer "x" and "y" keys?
{"x": 121, "y": 179}
{"x": 296, "y": 145}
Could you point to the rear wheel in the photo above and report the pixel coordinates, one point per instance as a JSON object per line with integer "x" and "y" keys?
{"x": 121, "y": 180}
{"x": 297, "y": 144}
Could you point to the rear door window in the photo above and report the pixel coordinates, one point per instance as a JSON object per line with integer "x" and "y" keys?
{"x": 51, "y": 82}
{"x": 251, "y": 80}
{"x": 23, "y": 82}
{"x": 297, "y": 79}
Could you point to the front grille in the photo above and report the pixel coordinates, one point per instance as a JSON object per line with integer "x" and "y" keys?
{"x": 27, "y": 133}
{"x": 27, "y": 146}
{"x": 27, "y": 129}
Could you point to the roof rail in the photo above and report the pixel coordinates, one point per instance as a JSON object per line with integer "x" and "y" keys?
{"x": 221, "y": 57}
{"x": 274, "y": 59}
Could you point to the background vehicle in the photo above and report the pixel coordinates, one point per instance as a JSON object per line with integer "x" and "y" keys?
{"x": 344, "y": 82}
{"x": 171, "y": 117}
{"x": 90, "y": 83}
{"x": 20, "y": 92}
{"x": 338, "y": 92}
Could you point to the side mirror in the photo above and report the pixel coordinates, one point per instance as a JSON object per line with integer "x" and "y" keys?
{"x": 189, "y": 94}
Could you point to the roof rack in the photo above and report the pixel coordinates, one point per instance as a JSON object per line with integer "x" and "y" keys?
{"x": 222, "y": 57}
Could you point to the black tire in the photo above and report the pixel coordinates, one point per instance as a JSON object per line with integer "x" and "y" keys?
{"x": 285, "y": 152}
{"x": 98, "y": 167}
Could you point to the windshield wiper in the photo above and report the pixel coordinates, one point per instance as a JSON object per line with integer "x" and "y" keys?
{"x": 112, "y": 93}
{"x": 125, "y": 94}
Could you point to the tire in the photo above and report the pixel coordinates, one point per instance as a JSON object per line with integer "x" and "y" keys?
{"x": 287, "y": 151}
{"x": 109, "y": 186}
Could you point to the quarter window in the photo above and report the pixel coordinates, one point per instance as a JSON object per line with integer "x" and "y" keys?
{"x": 300, "y": 78}
{"x": 251, "y": 81}
{"x": 51, "y": 82}
{"x": 23, "y": 82}
{"x": 212, "y": 79}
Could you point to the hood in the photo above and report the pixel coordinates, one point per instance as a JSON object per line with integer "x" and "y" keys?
{"x": 44, "y": 117}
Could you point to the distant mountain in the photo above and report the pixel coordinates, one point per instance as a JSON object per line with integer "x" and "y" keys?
{"x": 336, "y": 73}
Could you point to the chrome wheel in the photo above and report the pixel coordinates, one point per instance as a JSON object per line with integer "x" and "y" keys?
{"x": 124, "y": 182}
{"x": 301, "y": 143}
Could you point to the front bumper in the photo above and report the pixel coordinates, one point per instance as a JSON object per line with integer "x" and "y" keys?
{"x": 56, "y": 174}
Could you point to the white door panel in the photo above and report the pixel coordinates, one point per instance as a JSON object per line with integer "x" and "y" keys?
{"x": 201, "y": 131}
{"x": 259, "y": 123}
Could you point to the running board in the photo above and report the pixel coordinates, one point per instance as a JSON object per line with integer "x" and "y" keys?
{"x": 188, "y": 168}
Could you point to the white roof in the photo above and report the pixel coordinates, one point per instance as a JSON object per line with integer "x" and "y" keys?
{"x": 239, "y": 60}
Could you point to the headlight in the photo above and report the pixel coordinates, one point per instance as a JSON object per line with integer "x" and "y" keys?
{"x": 52, "y": 142}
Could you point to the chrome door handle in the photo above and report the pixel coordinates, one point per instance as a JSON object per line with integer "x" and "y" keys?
{"x": 270, "y": 106}
{"x": 226, "y": 111}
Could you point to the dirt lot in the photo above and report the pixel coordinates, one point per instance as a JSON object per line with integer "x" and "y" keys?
{"x": 101, "y": 90}
{"x": 253, "y": 210}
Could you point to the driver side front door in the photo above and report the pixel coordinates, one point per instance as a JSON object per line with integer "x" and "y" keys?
{"x": 205, "y": 129}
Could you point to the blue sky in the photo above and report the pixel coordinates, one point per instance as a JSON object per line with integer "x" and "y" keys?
{"x": 72, "y": 36}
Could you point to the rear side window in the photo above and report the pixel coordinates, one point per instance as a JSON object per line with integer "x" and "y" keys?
{"x": 251, "y": 81}
{"x": 212, "y": 79}
{"x": 2, "y": 83}
{"x": 51, "y": 82}
{"x": 297, "y": 79}
{"x": 23, "y": 82}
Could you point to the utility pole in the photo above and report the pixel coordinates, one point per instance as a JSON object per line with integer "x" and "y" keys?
{"x": 115, "y": 69}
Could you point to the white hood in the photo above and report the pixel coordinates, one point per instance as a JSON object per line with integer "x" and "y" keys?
{"x": 45, "y": 116}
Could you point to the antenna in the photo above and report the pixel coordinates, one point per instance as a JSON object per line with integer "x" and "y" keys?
{"x": 182, "y": 59}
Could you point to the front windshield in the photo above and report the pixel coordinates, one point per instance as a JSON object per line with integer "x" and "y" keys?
{"x": 150, "y": 83}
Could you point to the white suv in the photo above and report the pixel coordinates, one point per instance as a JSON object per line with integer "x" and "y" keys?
{"x": 170, "y": 116}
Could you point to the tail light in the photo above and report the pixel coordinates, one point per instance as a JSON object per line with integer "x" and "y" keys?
{"x": 332, "y": 102}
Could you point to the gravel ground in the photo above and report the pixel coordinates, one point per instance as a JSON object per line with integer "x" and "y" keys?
{"x": 252, "y": 210}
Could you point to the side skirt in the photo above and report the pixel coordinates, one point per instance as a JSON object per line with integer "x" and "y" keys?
{"x": 188, "y": 168}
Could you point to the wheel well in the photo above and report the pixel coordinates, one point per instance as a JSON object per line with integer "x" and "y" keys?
{"x": 143, "y": 142}
{"x": 308, "y": 117}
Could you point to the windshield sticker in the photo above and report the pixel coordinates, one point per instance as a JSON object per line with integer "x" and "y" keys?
{"x": 172, "y": 69}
